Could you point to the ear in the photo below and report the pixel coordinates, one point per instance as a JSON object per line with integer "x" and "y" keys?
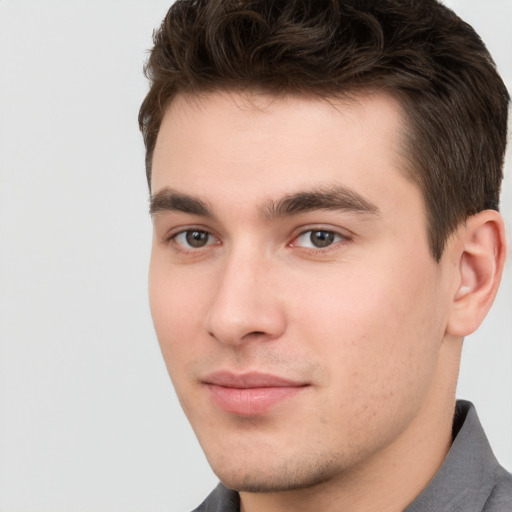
{"x": 480, "y": 266}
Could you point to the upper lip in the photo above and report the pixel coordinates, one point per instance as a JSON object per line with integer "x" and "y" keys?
{"x": 249, "y": 380}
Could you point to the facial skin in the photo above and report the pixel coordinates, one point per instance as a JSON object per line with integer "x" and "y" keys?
{"x": 309, "y": 263}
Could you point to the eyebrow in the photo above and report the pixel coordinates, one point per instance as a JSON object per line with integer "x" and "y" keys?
{"x": 168, "y": 199}
{"x": 330, "y": 198}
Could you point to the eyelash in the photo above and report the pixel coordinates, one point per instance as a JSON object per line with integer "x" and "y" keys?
{"x": 181, "y": 247}
{"x": 338, "y": 238}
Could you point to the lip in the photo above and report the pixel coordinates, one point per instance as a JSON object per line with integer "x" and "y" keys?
{"x": 252, "y": 393}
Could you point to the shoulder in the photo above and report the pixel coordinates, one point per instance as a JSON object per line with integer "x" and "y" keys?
{"x": 500, "y": 497}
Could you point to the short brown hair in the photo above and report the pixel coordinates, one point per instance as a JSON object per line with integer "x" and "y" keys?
{"x": 454, "y": 101}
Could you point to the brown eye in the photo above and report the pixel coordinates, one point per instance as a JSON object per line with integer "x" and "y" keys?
{"x": 317, "y": 239}
{"x": 321, "y": 238}
{"x": 197, "y": 238}
{"x": 194, "y": 239}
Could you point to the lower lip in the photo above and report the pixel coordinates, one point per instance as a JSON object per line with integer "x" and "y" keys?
{"x": 251, "y": 401}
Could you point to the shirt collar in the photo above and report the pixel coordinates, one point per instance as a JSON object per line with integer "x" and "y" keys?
{"x": 465, "y": 480}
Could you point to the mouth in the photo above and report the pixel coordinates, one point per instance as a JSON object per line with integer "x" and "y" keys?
{"x": 250, "y": 394}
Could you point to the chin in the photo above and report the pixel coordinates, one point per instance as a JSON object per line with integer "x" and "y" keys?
{"x": 245, "y": 476}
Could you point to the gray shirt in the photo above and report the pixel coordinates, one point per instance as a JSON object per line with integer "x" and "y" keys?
{"x": 470, "y": 479}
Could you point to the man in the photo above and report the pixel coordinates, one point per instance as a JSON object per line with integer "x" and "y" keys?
{"x": 325, "y": 184}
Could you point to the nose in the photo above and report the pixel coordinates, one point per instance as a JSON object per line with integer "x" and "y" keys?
{"x": 245, "y": 304}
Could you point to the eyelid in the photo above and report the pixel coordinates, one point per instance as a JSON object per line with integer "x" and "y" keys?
{"x": 343, "y": 237}
{"x": 171, "y": 235}
{"x": 209, "y": 239}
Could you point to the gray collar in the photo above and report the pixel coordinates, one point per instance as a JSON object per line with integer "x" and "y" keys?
{"x": 469, "y": 473}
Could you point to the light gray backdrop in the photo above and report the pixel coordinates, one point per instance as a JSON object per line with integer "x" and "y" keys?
{"x": 88, "y": 418}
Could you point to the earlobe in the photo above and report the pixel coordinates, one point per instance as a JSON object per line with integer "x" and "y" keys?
{"x": 481, "y": 264}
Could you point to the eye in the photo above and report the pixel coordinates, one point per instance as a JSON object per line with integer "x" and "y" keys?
{"x": 317, "y": 239}
{"x": 194, "y": 239}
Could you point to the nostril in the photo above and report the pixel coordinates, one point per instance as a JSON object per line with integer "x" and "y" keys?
{"x": 254, "y": 335}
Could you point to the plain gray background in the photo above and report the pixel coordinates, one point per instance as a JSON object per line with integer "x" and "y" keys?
{"x": 88, "y": 419}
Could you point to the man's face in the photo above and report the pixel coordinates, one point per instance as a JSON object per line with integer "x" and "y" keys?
{"x": 299, "y": 311}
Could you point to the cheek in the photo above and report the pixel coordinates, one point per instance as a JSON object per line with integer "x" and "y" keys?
{"x": 376, "y": 347}
{"x": 175, "y": 305}
{"x": 377, "y": 332}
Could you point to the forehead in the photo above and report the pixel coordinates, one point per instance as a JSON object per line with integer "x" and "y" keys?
{"x": 260, "y": 146}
